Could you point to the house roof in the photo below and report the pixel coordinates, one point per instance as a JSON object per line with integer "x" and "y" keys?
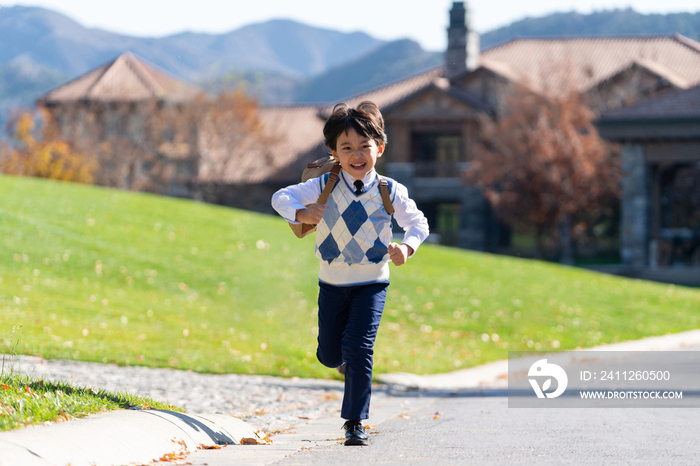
{"x": 127, "y": 78}
{"x": 442, "y": 85}
{"x": 672, "y": 116}
{"x": 672, "y": 105}
{"x": 388, "y": 94}
{"x": 578, "y": 63}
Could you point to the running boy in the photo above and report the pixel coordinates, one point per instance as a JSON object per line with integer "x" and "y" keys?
{"x": 353, "y": 242}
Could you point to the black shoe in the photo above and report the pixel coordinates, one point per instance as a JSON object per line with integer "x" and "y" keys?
{"x": 341, "y": 369}
{"x": 355, "y": 433}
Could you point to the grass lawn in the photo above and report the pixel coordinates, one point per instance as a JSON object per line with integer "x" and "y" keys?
{"x": 111, "y": 276}
{"x": 28, "y": 400}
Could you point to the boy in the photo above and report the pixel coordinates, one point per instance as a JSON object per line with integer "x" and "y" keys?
{"x": 353, "y": 241}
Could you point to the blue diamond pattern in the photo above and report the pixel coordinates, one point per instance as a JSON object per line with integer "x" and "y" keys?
{"x": 329, "y": 249}
{"x": 377, "y": 252}
{"x": 379, "y": 218}
{"x": 353, "y": 253}
{"x": 355, "y": 215}
{"x": 331, "y": 214}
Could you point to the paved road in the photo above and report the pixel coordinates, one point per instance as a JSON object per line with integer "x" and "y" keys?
{"x": 482, "y": 430}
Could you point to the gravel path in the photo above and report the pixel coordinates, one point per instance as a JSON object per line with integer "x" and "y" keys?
{"x": 268, "y": 403}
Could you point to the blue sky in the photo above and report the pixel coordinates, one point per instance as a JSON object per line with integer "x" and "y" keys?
{"x": 421, "y": 20}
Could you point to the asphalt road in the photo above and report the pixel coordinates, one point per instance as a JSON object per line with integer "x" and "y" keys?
{"x": 465, "y": 430}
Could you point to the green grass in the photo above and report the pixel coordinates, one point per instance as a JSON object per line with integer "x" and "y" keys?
{"x": 111, "y": 276}
{"x": 26, "y": 400}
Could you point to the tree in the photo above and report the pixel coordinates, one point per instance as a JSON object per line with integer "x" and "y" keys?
{"x": 543, "y": 164}
{"x": 40, "y": 152}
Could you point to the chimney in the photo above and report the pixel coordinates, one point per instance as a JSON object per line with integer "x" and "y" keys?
{"x": 462, "y": 43}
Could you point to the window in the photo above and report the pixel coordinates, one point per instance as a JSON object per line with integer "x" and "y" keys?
{"x": 437, "y": 154}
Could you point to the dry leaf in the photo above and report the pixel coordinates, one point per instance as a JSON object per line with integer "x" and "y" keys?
{"x": 201, "y": 446}
{"x": 179, "y": 443}
{"x": 262, "y": 439}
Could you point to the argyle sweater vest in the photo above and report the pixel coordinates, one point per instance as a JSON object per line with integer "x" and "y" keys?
{"x": 355, "y": 229}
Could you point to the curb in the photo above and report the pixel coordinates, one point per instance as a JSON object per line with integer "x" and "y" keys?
{"x": 119, "y": 437}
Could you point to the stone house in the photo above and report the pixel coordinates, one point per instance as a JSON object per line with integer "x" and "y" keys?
{"x": 660, "y": 140}
{"x": 130, "y": 115}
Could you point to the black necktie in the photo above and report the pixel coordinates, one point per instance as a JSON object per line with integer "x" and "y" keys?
{"x": 358, "y": 186}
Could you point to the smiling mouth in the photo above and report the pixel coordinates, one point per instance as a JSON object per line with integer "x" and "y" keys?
{"x": 358, "y": 166}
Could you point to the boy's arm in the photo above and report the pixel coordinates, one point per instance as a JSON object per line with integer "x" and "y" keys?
{"x": 288, "y": 200}
{"x": 412, "y": 220}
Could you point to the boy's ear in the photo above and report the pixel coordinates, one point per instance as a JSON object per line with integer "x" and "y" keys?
{"x": 380, "y": 150}
{"x": 334, "y": 154}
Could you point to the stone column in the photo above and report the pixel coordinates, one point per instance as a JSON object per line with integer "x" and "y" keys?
{"x": 634, "y": 230}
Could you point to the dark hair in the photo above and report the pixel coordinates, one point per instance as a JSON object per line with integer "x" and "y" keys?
{"x": 366, "y": 119}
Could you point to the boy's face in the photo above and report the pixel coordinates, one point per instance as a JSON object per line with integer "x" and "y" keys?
{"x": 357, "y": 154}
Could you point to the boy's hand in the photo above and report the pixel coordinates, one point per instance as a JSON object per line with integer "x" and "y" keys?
{"x": 311, "y": 215}
{"x": 398, "y": 253}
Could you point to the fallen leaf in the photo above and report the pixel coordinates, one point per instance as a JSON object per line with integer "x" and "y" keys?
{"x": 201, "y": 446}
{"x": 179, "y": 443}
{"x": 255, "y": 441}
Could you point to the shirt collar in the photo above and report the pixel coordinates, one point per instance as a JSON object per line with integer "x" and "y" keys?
{"x": 367, "y": 181}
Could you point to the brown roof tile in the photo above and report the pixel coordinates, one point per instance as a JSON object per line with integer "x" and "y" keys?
{"x": 581, "y": 62}
{"x": 124, "y": 79}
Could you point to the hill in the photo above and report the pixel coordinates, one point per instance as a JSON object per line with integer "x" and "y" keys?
{"x": 384, "y": 64}
{"x": 105, "y": 275}
{"x": 606, "y": 22}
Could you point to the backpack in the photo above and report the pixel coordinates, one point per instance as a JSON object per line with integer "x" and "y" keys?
{"x": 319, "y": 168}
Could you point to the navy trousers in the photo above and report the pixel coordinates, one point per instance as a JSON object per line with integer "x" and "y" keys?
{"x": 348, "y": 320}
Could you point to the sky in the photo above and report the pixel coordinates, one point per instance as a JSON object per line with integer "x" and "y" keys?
{"x": 422, "y": 20}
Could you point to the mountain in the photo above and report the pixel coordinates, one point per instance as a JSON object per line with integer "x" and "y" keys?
{"x": 387, "y": 63}
{"x": 59, "y": 43}
{"x": 607, "y": 22}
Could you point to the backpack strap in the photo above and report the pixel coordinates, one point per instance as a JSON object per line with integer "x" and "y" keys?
{"x": 330, "y": 184}
{"x": 386, "y": 198}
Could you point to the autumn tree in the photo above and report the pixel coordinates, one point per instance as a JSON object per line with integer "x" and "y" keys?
{"x": 37, "y": 150}
{"x": 542, "y": 164}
